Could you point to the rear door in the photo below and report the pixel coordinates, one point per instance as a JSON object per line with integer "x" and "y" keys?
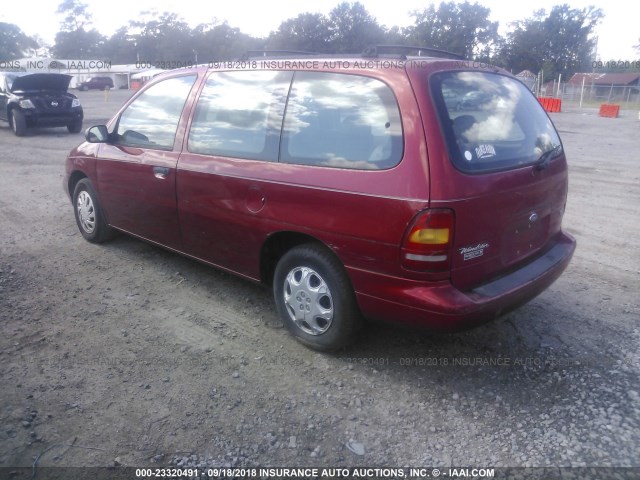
{"x": 497, "y": 161}
{"x": 234, "y": 137}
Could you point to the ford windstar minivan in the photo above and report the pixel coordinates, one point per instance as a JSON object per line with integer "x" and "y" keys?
{"x": 415, "y": 189}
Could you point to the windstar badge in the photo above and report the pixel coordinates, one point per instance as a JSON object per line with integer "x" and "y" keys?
{"x": 474, "y": 251}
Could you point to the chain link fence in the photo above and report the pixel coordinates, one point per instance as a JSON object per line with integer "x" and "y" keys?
{"x": 628, "y": 97}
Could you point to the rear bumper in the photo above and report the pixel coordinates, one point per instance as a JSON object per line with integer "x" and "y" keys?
{"x": 440, "y": 306}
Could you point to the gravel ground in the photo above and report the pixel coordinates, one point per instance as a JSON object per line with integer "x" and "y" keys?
{"x": 140, "y": 357}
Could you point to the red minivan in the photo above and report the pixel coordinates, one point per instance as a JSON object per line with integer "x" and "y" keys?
{"x": 422, "y": 190}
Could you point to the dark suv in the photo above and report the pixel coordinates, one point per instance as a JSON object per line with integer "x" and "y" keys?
{"x": 38, "y": 100}
{"x": 352, "y": 186}
{"x": 96, "y": 83}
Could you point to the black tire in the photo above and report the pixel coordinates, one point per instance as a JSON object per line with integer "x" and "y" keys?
{"x": 18, "y": 123}
{"x": 88, "y": 213}
{"x": 75, "y": 127}
{"x": 324, "y": 289}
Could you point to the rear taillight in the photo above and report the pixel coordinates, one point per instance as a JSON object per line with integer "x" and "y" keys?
{"x": 427, "y": 243}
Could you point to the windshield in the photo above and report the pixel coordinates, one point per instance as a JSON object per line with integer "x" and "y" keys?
{"x": 10, "y": 78}
{"x": 491, "y": 122}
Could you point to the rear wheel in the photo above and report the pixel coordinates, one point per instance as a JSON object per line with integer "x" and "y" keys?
{"x": 18, "y": 123}
{"x": 315, "y": 298}
{"x": 88, "y": 213}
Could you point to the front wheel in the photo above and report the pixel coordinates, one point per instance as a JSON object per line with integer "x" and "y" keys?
{"x": 18, "y": 123}
{"x": 88, "y": 213}
{"x": 75, "y": 127}
{"x": 315, "y": 299}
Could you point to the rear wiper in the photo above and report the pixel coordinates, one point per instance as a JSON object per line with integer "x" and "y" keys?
{"x": 543, "y": 161}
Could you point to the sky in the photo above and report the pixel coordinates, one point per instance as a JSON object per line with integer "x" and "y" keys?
{"x": 617, "y": 33}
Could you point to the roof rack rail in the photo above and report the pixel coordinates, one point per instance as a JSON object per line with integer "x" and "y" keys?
{"x": 377, "y": 50}
{"x": 268, "y": 53}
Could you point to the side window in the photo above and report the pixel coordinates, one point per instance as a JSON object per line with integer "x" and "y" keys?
{"x": 239, "y": 114}
{"x": 152, "y": 119}
{"x": 341, "y": 120}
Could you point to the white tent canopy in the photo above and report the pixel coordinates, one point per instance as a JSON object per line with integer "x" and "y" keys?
{"x": 147, "y": 74}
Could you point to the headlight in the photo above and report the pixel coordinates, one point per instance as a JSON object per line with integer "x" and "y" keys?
{"x": 75, "y": 103}
{"x": 26, "y": 104}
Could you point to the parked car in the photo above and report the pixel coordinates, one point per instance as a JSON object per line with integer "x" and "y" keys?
{"x": 96, "y": 83}
{"x": 38, "y": 100}
{"x": 355, "y": 193}
{"x": 474, "y": 100}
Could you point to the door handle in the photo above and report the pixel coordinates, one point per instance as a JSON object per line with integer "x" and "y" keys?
{"x": 160, "y": 172}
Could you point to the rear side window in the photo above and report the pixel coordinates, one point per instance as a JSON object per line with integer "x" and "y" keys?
{"x": 151, "y": 120}
{"x": 340, "y": 120}
{"x": 491, "y": 122}
{"x": 239, "y": 114}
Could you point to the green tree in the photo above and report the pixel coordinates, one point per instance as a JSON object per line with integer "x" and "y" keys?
{"x": 120, "y": 48}
{"x": 79, "y": 44}
{"x": 525, "y": 46}
{"x": 396, "y": 36}
{"x": 14, "y": 43}
{"x": 163, "y": 39}
{"x": 76, "y": 40}
{"x": 349, "y": 28}
{"x": 462, "y": 28}
{"x": 220, "y": 41}
{"x": 307, "y": 32}
{"x": 76, "y": 15}
{"x": 560, "y": 42}
{"x": 352, "y": 28}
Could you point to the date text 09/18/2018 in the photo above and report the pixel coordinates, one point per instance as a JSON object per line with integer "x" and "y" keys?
{"x": 616, "y": 64}
{"x": 319, "y": 473}
{"x": 305, "y": 64}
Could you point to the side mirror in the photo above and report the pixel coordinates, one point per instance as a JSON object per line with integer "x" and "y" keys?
{"x": 97, "y": 134}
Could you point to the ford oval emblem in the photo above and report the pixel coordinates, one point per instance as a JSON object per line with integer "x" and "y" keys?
{"x": 533, "y": 217}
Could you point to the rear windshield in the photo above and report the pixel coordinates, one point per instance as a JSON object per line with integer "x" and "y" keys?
{"x": 491, "y": 122}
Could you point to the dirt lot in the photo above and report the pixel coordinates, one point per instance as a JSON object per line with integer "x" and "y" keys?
{"x": 137, "y": 356}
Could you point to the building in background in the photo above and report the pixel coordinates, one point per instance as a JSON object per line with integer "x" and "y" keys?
{"x": 528, "y": 78}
